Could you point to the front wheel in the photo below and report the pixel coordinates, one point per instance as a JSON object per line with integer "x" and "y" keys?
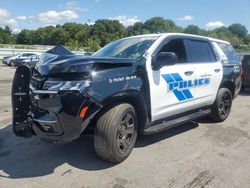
{"x": 116, "y": 132}
{"x": 222, "y": 105}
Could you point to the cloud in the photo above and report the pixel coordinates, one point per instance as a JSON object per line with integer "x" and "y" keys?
{"x": 73, "y": 5}
{"x": 53, "y": 16}
{"x": 215, "y": 24}
{"x": 125, "y": 20}
{"x": 21, "y": 18}
{"x": 6, "y": 20}
{"x": 16, "y": 30}
{"x": 12, "y": 22}
{"x": 186, "y": 18}
{"x": 4, "y": 13}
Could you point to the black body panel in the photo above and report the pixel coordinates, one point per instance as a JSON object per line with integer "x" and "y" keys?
{"x": 56, "y": 115}
{"x": 246, "y": 71}
{"x": 232, "y": 78}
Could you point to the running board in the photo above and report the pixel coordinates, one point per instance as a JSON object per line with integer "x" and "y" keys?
{"x": 175, "y": 122}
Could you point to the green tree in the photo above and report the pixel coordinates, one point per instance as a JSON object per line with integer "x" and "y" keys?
{"x": 192, "y": 29}
{"x": 106, "y": 31}
{"x": 58, "y": 36}
{"x": 238, "y": 29}
{"x": 6, "y": 35}
{"x": 91, "y": 38}
{"x": 160, "y": 25}
{"x": 73, "y": 28}
{"x": 91, "y": 45}
{"x": 72, "y": 44}
{"x": 224, "y": 33}
{"x": 137, "y": 29}
{"x": 24, "y": 37}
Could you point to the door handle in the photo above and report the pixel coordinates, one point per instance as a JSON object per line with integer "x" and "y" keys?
{"x": 217, "y": 70}
{"x": 189, "y": 73}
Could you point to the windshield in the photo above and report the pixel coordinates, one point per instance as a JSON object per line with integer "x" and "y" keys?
{"x": 129, "y": 48}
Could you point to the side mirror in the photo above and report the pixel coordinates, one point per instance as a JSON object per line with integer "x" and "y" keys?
{"x": 163, "y": 59}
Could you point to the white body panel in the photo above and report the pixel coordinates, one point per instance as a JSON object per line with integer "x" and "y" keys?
{"x": 205, "y": 96}
{"x": 165, "y": 103}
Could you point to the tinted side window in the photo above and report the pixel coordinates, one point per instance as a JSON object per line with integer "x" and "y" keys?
{"x": 200, "y": 51}
{"x": 176, "y": 46}
{"x": 229, "y": 52}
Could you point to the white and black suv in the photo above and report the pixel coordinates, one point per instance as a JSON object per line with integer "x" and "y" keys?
{"x": 141, "y": 84}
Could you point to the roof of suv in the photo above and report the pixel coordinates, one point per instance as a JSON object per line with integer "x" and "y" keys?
{"x": 181, "y": 34}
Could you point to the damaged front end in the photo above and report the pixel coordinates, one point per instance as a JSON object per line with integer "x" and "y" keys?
{"x": 50, "y": 100}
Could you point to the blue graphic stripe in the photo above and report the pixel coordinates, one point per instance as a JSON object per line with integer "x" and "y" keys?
{"x": 177, "y": 85}
{"x": 179, "y": 95}
{"x": 177, "y": 77}
{"x": 188, "y": 94}
{"x": 168, "y": 78}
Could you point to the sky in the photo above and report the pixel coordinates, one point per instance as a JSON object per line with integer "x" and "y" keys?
{"x": 207, "y": 14}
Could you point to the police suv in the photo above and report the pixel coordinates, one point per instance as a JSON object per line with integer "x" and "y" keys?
{"x": 142, "y": 84}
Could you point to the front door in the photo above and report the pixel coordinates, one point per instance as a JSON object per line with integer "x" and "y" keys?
{"x": 171, "y": 90}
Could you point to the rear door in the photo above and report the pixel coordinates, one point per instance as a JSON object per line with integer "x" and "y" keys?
{"x": 209, "y": 71}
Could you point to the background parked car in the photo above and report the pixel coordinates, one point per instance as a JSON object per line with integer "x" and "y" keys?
{"x": 20, "y": 56}
{"x": 245, "y": 71}
{"x": 29, "y": 61}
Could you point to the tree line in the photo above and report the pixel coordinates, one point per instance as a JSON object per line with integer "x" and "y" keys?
{"x": 78, "y": 36}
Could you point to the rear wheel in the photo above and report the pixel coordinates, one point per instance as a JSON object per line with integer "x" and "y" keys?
{"x": 116, "y": 132}
{"x": 222, "y": 105}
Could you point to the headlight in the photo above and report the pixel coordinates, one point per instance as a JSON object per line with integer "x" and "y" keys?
{"x": 66, "y": 85}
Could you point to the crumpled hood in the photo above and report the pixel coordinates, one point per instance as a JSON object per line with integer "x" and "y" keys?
{"x": 61, "y": 60}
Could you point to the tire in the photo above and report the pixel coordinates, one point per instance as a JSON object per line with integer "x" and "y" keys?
{"x": 116, "y": 132}
{"x": 222, "y": 106}
{"x": 12, "y": 64}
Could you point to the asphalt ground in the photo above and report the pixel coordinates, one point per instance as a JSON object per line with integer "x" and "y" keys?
{"x": 197, "y": 154}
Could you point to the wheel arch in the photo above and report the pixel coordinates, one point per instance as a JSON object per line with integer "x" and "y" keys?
{"x": 132, "y": 97}
{"x": 229, "y": 85}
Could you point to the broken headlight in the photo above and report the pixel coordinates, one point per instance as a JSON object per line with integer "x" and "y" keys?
{"x": 78, "y": 85}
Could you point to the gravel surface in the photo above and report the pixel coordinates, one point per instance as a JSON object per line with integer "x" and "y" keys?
{"x": 198, "y": 154}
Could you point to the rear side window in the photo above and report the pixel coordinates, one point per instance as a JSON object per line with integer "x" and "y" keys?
{"x": 200, "y": 51}
{"x": 229, "y": 51}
